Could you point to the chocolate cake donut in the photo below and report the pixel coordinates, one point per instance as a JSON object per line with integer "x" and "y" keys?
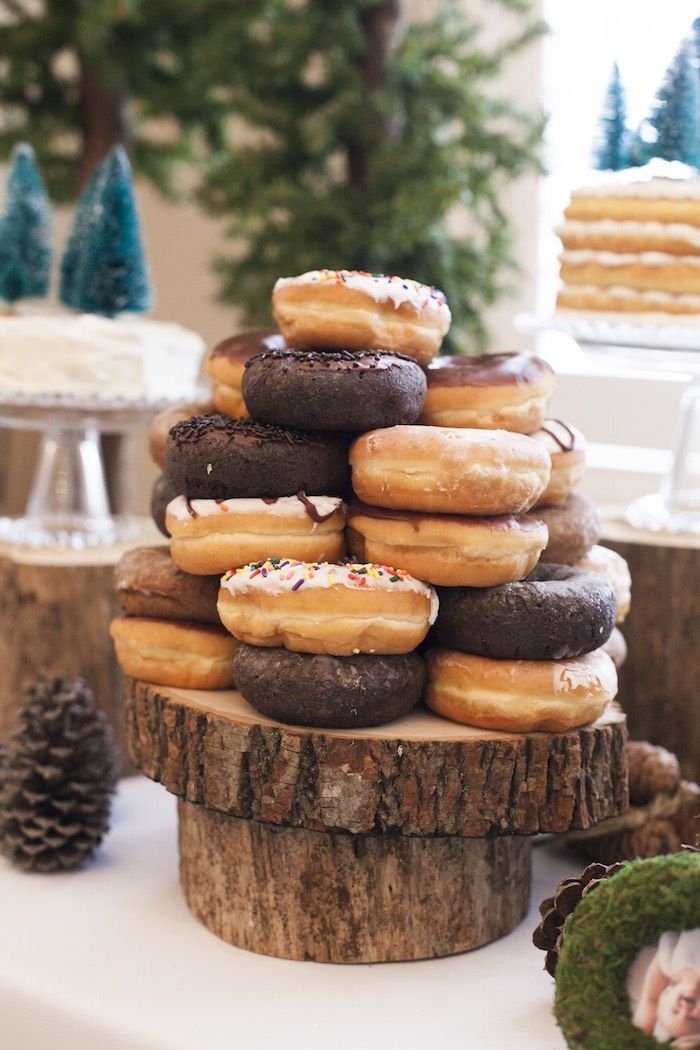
{"x": 215, "y": 457}
{"x": 556, "y": 613}
{"x": 574, "y": 526}
{"x": 339, "y": 692}
{"x": 162, "y": 493}
{"x": 334, "y": 389}
{"x": 149, "y": 583}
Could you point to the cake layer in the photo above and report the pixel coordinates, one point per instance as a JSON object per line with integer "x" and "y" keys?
{"x": 654, "y": 271}
{"x": 619, "y": 236}
{"x": 638, "y": 209}
{"x": 626, "y": 300}
{"x": 108, "y": 358}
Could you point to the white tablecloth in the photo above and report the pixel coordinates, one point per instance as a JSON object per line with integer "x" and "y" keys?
{"x": 111, "y": 959}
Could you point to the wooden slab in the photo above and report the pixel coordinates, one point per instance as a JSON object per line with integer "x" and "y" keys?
{"x": 420, "y": 775}
{"x": 660, "y": 680}
{"x": 300, "y": 894}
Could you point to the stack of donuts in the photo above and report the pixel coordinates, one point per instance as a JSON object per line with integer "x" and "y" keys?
{"x": 344, "y": 478}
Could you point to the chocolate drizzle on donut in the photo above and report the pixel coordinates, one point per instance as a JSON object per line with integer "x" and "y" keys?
{"x": 567, "y": 445}
{"x": 190, "y": 509}
{"x": 192, "y": 430}
{"x": 416, "y": 518}
{"x": 312, "y": 511}
{"x": 269, "y": 500}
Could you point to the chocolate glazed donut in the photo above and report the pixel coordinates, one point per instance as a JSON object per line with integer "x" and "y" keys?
{"x": 555, "y": 613}
{"x": 215, "y": 457}
{"x": 334, "y": 389}
{"x": 333, "y": 692}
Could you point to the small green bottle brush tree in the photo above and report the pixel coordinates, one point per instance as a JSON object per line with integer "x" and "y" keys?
{"x": 25, "y": 231}
{"x": 103, "y": 268}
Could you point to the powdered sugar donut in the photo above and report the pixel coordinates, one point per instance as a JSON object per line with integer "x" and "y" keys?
{"x": 324, "y": 607}
{"x": 354, "y": 310}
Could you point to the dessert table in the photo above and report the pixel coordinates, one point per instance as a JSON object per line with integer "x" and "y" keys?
{"x": 110, "y": 957}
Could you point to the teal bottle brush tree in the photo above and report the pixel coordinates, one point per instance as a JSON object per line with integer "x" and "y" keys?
{"x": 104, "y": 269}
{"x": 25, "y": 229}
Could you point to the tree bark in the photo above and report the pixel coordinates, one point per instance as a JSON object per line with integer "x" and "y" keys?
{"x": 420, "y": 775}
{"x": 105, "y": 121}
{"x": 379, "y": 25}
{"x": 299, "y": 894}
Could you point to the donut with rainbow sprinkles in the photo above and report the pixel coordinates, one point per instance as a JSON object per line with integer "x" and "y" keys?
{"x": 355, "y": 310}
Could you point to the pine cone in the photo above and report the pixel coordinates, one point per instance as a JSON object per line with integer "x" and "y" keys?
{"x": 555, "y": 910}
{"x": 59, "y": 776}
{"x": 657, "y": 836}
{"x": 652, "y": 771}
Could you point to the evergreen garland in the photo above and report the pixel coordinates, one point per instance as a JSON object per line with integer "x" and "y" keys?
{"x": 369, "y": 134}
{"x": 78, "y": 77}
{"x": 25, "y": 230}
{"x": 610, "y": 152}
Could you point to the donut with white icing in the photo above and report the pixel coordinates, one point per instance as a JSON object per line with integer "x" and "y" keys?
{"x": 354, "y": 310}
{"x": 210, "y": 536}
{"x": 520, "y": 695}
{"x": 323, "y": 607}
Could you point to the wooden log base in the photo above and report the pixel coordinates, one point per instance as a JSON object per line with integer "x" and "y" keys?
{"x": 55, "y": 611}
{"x": 299, "y": 894}
{"x": 419, "y": 775}
{"x": 660, "y": 680}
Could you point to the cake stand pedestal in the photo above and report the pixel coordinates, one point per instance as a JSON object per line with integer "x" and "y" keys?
{"x": 68, "y": 506}
{"x": 405, "y": 841}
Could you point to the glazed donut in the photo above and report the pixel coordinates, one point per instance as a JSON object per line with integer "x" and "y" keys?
{"x": 445, "y": 548}
{"x": 334, "y": 389}
{"x": 574, "y": 526}
{"x": 520, "y": 695}
{"x": 354, "y": 310}
{"x": 225, "y": 365}
{"x": 490, "y": 392}
{"x": 448, "y": 470}
{"x": 326, "y": 608}
{"x": 567, "y": 450}
{"x": 211, "y": 536}
{"x": 555, "y": 614}
{"x": 616, "y": 648}
{"x": 162, "y": 493}
{"x": 165, "y": 421}
{"x": 336, "y": 692}
{"x": 214, "y": 457}
{"x": 176, "y": 653}
{"x": 613, "y": 568}
{"x": 149, "y": 583}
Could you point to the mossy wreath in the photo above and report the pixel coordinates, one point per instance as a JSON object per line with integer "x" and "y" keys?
{"x": 604, "y": 936}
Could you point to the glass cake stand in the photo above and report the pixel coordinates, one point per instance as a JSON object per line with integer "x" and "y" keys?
{"x": 643, "y": 347}
{"x": 68, "y": 504}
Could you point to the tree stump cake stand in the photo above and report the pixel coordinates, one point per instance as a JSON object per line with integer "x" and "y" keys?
{"x": 407, "y": 841}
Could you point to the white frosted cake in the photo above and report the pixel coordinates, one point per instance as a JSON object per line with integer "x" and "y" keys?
{"x": 87, "y": 356}
{"x": 632, "y": 245}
